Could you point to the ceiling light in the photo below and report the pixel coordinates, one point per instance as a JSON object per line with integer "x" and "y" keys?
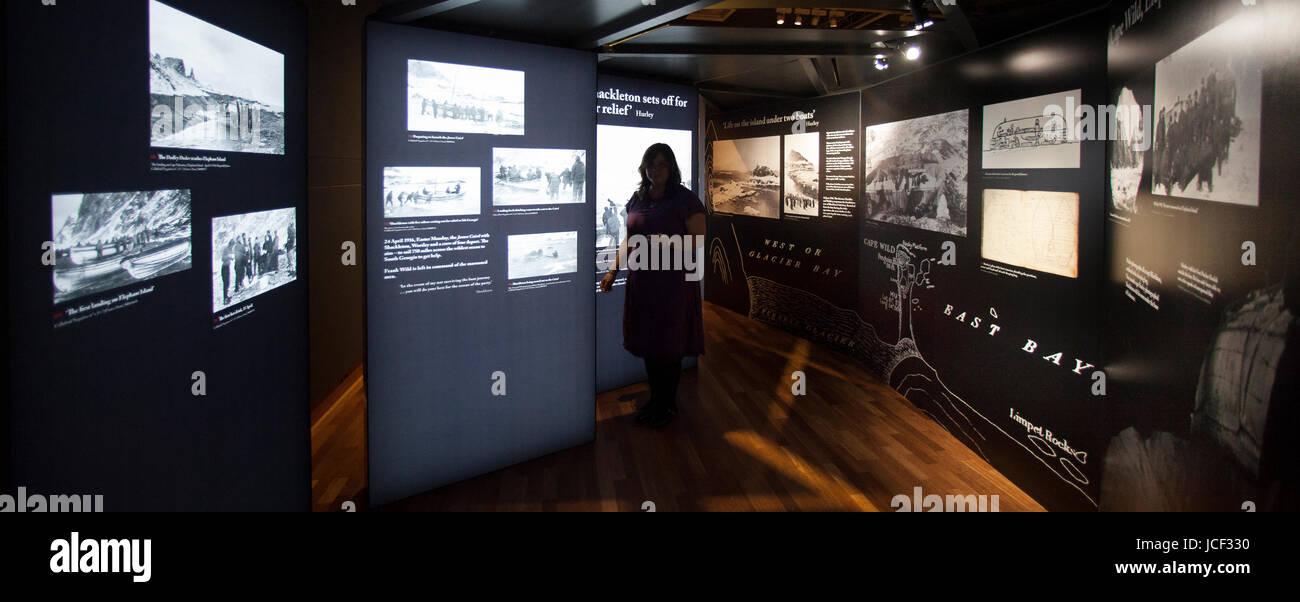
{"x": 912, "y": 52}
{"x": 882, "y": 64}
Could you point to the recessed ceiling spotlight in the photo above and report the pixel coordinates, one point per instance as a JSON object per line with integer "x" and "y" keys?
{"x": 912, "y": 52}
{"x": 882, "y": 64}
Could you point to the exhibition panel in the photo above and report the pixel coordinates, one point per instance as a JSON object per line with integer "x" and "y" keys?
{"x": 966, "y": 257}
{"x": 981, "y": 252}
{"x": 157, "y": 179}
{"x": 782, "y": 193}
{"x": 479, "y": 204}
{"x": 631, "y": 115}
{"x": 1203, "y": 258}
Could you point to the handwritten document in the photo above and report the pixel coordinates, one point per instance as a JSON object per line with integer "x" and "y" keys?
{"x": 1033, "y": 229}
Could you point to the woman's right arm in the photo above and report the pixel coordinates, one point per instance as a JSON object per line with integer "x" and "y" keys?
{"x": 607, "y": 282}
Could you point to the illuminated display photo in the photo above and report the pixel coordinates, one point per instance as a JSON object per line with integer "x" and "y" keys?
{"x": 445, "y": 97}
{"x": 745, "y": 177}
{"x": 211, "y": 89}
{"x": 544, "y": 254}
{"x": 252, "y": 254}
{"x": 619, "y": 150}
{"x": 538, "y": 176}
{"x": 431, "y": 191}
{"x": 103, "y": 241}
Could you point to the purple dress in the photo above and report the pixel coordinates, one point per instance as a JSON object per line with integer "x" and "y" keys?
{"x": 662, "y": 317}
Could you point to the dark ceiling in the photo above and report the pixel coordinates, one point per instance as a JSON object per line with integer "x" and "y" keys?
{"x": 734, "y": 50}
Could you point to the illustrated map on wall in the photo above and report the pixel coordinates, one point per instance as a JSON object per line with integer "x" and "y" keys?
{"x": 538, "y": 176}
{"x": 446, "y": 97}
{"x": 1032, "y": 229}
{"x": 619, "y": 150}
{"x": 1030, "y": 133}
{"x": 542, "y": 254}
{"x": 745, "y": 178}
{"x": 211, "y": 89}
{"x": 252, "y": 253}
{"x": 108, "y": 240}
{"x": 1207, "y": 117}
{"x": 801, "y": 173}
{"x": 1126, "y": 158}
{"x": 916, "y": 172}
{"x": 895, "y": 353}
{"x": 431, "y": 191}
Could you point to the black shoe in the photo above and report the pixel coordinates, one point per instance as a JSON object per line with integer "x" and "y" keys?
{"x": 662, "y": 417}
{"x": 647, "y": 411}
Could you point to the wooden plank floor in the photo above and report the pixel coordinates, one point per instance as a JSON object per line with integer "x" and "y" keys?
{"x": 743, "y": 442}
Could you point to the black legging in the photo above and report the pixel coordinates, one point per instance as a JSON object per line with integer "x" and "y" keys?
{"x": 664, "y": 375}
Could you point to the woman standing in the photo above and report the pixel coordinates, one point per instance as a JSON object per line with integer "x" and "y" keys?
{"x": 662, "y": 318}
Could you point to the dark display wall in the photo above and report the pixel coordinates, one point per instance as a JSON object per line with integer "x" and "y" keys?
{"x": 781, "y": 193}
{"x": 632, "y": 114}
{"x": 1203, "y": 264}
{"x": 479, "y": 223}
{"x": 972, "y": 286}
{"x": 981, "y": 253}
{"x": 157, "y": 186}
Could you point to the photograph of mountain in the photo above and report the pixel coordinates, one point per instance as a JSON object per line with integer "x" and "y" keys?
{"x": 745, "y": 177}
{"x": 445, "y": 97}
{"x": 916, "y": 172}
{"x": 211, "y": 89}
{"x": 538, "y": 176}
{"x": 107, "y": 240}
{"x": 252, "y": 253}
{"x": 431, "y": 191}
{"x": 542, "y": 254}
{"x": 1207, "y": 116}
{"x": 802, "y": 190}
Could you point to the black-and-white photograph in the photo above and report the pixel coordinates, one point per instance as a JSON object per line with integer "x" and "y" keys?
{"x": 431, "y": 191}
{"x": 916, "y": 172}
{"x": 446, "y": 97}
{"x": 1125, "y": 158}
{"x": 107, "y": 240}
{"x": 745, "y": 177}
{"x": 1031, "y": 133}
{"x": 802, "y": 174}
{"x": 618, "y": 157}
{"x": 211, "y": 89}
{"x": 1207, "y": 116}
{"x": 544, "y": 254}
{"x": 252, "y": 253}
{"x": 538, "y": 176}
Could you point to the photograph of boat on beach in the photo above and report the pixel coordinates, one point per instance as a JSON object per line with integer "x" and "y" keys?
{"x": 107, "y": 240}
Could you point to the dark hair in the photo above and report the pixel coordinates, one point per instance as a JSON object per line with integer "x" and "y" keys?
{"x": 674, "y": 172}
